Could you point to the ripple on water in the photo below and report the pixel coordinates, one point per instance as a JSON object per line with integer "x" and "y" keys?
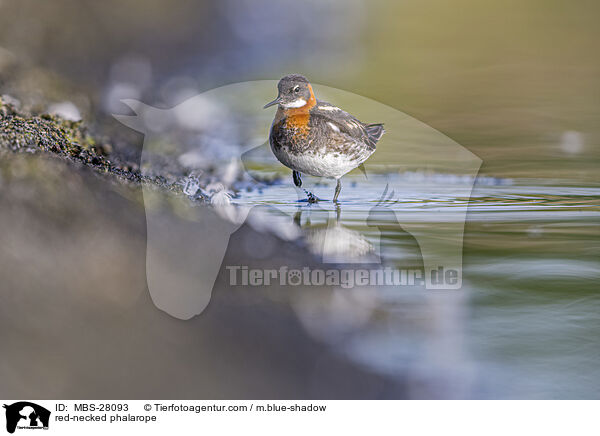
{"x": 531, "y": 270}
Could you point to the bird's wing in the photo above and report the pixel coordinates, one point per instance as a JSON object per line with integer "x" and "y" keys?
{"x": 337, "y": 120}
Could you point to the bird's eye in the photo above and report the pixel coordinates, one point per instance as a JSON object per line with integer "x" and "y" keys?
{"x": 296, "y": 88}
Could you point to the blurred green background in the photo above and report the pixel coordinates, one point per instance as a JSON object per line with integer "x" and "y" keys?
{"x": 515, "y": 82}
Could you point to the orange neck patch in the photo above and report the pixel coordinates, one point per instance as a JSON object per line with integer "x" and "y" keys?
{"x": 297, "y": 118}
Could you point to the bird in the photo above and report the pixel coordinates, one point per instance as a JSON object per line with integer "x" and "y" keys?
{"x": 314, "y": 137}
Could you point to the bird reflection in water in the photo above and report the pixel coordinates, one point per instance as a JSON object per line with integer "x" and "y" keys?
{"x": 327, "y": 236}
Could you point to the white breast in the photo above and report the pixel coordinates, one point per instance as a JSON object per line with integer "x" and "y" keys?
{"x": 330, "y": 165}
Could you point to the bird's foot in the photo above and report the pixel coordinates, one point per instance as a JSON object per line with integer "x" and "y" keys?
{"x": 310, "y": 198}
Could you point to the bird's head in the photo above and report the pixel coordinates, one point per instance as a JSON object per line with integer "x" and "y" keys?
{"x": 294, "y": 91}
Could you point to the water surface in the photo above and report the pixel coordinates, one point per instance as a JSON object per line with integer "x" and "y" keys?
{"x": 525, "y": 322}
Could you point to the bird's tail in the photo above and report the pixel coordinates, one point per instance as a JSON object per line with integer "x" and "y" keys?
{"x": 375, "y": 132}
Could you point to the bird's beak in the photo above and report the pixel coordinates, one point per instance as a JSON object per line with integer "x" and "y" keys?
{"x": 274, "y": 102}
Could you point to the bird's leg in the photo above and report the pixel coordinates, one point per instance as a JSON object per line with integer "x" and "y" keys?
{"x": 297, "y": 179}
{"x": 338, "y": 188}
{"x": 312, "y": 198}
{"x": 298, "y": 183}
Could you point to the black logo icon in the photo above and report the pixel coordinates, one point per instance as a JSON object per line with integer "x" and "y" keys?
{"x": 24, "y": 414}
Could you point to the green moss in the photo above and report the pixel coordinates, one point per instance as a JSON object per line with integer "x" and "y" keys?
{"x": 21, "y": 132}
